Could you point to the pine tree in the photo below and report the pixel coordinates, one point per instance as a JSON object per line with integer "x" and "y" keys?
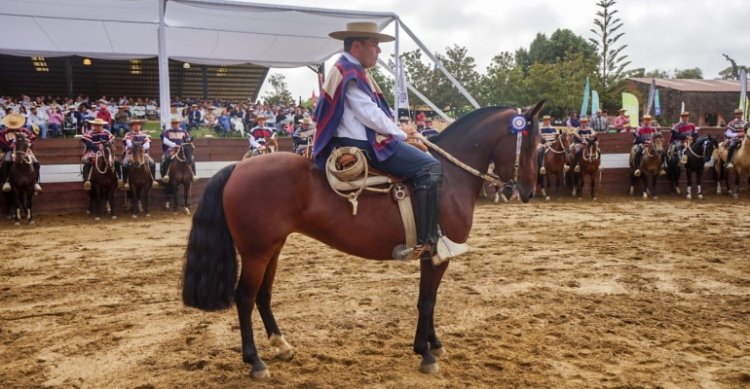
{"x": 611, "y": 60}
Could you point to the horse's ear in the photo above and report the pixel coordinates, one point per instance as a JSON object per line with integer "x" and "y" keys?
{"x": 533, "y": 111}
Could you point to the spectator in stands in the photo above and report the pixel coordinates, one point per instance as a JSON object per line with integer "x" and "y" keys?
{"x": 428, "y": 131}
{"x": 195, "y": 119}
{"x": 55, "y": 120}
{"x": 599, "y": 123}
{"x": 622, "y": 121}
{"x": 573, "y": 121}
{"x": 122, "y": 117}
{"x": 212, "y": 121}
{"x": 37, "y": 122}
{"x": 105, "y": 116}
{"x": 224, "y": 126}
{"x": 420, "y": 120}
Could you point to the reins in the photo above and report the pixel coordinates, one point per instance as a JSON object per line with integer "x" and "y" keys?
{"x": 489, "y": 177}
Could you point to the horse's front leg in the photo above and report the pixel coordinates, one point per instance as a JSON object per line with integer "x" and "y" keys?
{"x": 186, "y": 195}
{"x": 426, "y": 342}
{"x": 111, "y": 200}
{"x": 653, "y": 186}
{"x": 144, "y": 198}
{"x": 18, "y": 206}
{"x": 29, "y": 198}
{"x": 593, "y": 187}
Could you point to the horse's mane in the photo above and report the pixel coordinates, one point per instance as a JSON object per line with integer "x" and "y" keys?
{"x": 462, "y": 123}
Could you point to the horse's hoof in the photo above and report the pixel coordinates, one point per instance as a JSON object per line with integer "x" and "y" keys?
{"x": 147, "y": 215}
{"x": 677, "y": 190}
{"x": 187, "y": 211}
{"x": 97, "y": 218}
{"x": 88, "y": 212}
{"x": 735, "y": 196}
{"x": 700, "y": 197}
{"x": 689, "y": 197}
{"x": 31, "y": 222}
{"x": 114, "y": 217}
{"x": 655, "y": 197}
{"x": 594, "y": 199}
{"x": 17, "y": 223}
{"x": 437, "y": 352}
{"x": 645, "y": 195}
{"x": 286, "y": 355}
{"x": 546, "y": 198}
{"x": 260, "y": 374}
{"x": 429, "y": 368}
{"x": 580, "y": 199}
{"x": 134, "y": 216}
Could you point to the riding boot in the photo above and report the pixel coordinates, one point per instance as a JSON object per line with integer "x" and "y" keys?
{"x": 427, "y": 201}
{"x": 4, "y": 175}
{"x": 126, "y": 185}
{"x": 540, "y": 162}
{"x": 577, "y": 162}
{"x": 164, "y": 170}
{"x": 119, "y": 173}
{"x": 152, "y": 166}
{"x": 37, "y": 186}
{"x": 637, "y": 163}
{"x": 86, "y": 172}
{"x": 730, "y": 154}
{"x": 195, "y": 176}
{"x": 683, "y": 156}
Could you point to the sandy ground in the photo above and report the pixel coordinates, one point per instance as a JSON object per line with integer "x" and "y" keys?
{"x": 621, "y": 293}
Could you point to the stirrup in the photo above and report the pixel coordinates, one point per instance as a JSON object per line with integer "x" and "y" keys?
{"x": 577, "y": 169}
{"x": 729, "y": 166}
{"x": 684, "y": 159}
{"x": 418, "y": 252}
{"x": 165, "y": 179}
{"x": 566, "y": 168}
{"x": 6, "y": 187}
{"x": 542, "y": 170}
{"x": 37, "y": 188}
{"x": 662, "y": 172}
{"x": 195, "y": 178}
{"x": 637, "y": 172}
{"x": 126, "y": 186}
{"x": 87, "y": 185}
{"x": 120, "y": 183}
{"x": 154, "y": 184}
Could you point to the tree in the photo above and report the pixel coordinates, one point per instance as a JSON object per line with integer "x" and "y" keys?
{"x": 280, "y": 92}
{"x": 657, "y": 73}
{"x": 503, "y": 84}
{"x": 384, "y": 82}
{"x": 691, "y": 73}
{"x": 561, "y": 83}
{"x": 612, "y": 62}
{"x": 462, "y": 66}
{"x": 732, "y": 72}
{"x": 559, "y": 47}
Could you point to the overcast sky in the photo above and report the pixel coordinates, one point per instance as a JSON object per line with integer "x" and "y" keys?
{"x": 663, "y": 34}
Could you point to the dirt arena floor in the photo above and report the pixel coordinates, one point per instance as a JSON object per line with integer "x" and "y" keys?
{"x": 621, "y": 293}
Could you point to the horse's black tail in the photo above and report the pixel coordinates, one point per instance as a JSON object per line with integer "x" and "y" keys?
{"x": 210, "y": 266}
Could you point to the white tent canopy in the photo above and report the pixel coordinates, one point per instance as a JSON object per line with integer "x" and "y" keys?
{"x": 198, "y": 31}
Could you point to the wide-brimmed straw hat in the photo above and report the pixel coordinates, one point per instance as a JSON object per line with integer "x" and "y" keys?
{"x": 686, "y": 113}
{"x": 584, "y": 119}
{"x": 361, "y": 30}
{"x": 97, "y": 122}
{"x": 738, "y": 110}
{"x": 136, "y": 121}
{"x": 646, "y": 117}
{"x": 403, "y": 119}
{"x": 175, "y": 119}
{"x": 546, "y": 117}
{"x": 306, "y": 120}
{"x": 14, "y": 121}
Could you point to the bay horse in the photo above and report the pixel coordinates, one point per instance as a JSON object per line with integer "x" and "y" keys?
{"x": 22, "y": 178}
{"x": 554, "y": 164}
{"x": 697, "y": 153}
{"x": 103, "y": 181}
{"x": 590, "y": 163}
{"x": 139, "y": 179}
{"x": 180, "y": 174}
{"x": 740, "y": 173}
{"x": 266, "y": 148}
{"x": 226, "y": 220}
{"x": 650, "y": 166}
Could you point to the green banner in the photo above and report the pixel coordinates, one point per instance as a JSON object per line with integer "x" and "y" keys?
{"x": 630, "y": 103}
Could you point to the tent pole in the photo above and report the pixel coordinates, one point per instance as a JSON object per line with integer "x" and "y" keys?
{"x": 69, "y": 76}
{"x": 204, "y": 81}
{"x": 164, "y": 96}
{"x": 439, "y": 65}
{"x": 396, "y": 90}
{"x": 418, "y": 93}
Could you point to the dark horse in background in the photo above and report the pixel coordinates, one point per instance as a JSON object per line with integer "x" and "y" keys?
{"x": 590, "y": 166}
{"x": 22, "y": 178}
{"x": 180, "y": 174}
{"x": 553, "y": 163}
{"x": 140, "y": 180}
{"x": 697, "y": 153}
{"x": 103, "y": 182}
{"x": 303, "y": 202}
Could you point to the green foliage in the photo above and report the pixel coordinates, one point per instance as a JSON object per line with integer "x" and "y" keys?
{"x": 280, "y": 91}
{"x": 504, "y": 82}
{"x": 612, "y": 61}
{"x": 384, "y": 82}
{"x": 691, "y": 73}
{"x": 559, "y": 47}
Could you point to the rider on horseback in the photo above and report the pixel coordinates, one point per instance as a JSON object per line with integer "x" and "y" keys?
{"x": 302, "y": 135}
{"x": 735, "y": 132}
{"x": 582, "y": 136}
{"x": 549, "y": 134}
{"x": 355, "y": 113}
{"x": 135, "y": 135}
{"x": 428, "y": 131}
{"x": 171, "y": 139}
{"x": 683, "y": 134}
{"x": 260, "y": 136}
{"x": 13, "y": 125}
{"x": 643, "y": 136}
{"x": 94, "y": 142}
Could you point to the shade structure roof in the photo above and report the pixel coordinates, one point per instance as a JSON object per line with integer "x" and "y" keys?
{"x": 690, "y": 85}
{"x": 211, "y": 32}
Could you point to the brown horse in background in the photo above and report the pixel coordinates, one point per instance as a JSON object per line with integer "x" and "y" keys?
{"x": 22, "y": 178}
{"x": 554, "y": 164}
{"x": 226, "y": 223}
{"x": 180, "y": 174}
{"x": 140, "y": 180}
{"x": 651, "y": 162}
{"x": 740, "y": 173}
{"x": 590, "y": 163}
{"x": 103, "y": 181}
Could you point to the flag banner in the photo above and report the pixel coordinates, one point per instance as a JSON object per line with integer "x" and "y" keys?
{"x": 594, "y": 102}
{"x": 585, "y": 104}
{"x": 630, "y": 103}
{"x": 650, "y": 101}
{"x": 657, "y": 104}
{"x": 743, "y": 93}
{"x": 682, "y": 108}
{"x": 403, "y": 93}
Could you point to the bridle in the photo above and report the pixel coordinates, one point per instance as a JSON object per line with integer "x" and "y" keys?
{"x": 593, "y": 155}
{"x": 107, "y": 157}
{"x": 22, "y": 154}
{"x": 558, "y": 140}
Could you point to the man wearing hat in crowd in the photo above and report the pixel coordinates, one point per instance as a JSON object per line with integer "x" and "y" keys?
{"x": 733, "y": 134}
{"x": 403, "y": 122}
{"x": 135, "y": 135}
{"x": 302, "y": 135}
{"x": 171, "y": 138}
{"x": 93, "y": 142}
{"x": 428, "y": 131}
{"x": 622, "y": 121}
{"x": 360, "y": 117}
{"x": 122, "y": 117}
{"x": 14, "y": 125}
{"x": 194, "y": 117}
{"x": 600, "y": 123}
{"x": 683, "y": 133}
{"x": 105, "y": 115}
{"x": 260, "y": 136}
{"x": 548, "y": 133}
{"x": 643, "y": 136}
{"x": 581, "y": 136}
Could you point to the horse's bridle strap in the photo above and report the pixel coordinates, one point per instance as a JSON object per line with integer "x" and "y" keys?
{"x": 492, "y": 179}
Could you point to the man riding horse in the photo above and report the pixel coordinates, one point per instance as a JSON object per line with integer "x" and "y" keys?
{"x": 302, "y": 136}
{"x": 94, "y": 142}
{"x": 171, "y": 140}
{"x": 549, "y": 135}
{"x": 582, "y": 136}
{"x": 643, "y": 136}
{"x": 260, "y": 136}
{"x": 135, "y": 135}
{"x": 14, "y": 125}
{"x": 355, "y": 113}
{"x": 683, "y": 134}
{"x": 734, "y": 133}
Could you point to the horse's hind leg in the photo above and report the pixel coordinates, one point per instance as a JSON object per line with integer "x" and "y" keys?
{"x": 263, "y": 301}
{"x": 426, "y": 342}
